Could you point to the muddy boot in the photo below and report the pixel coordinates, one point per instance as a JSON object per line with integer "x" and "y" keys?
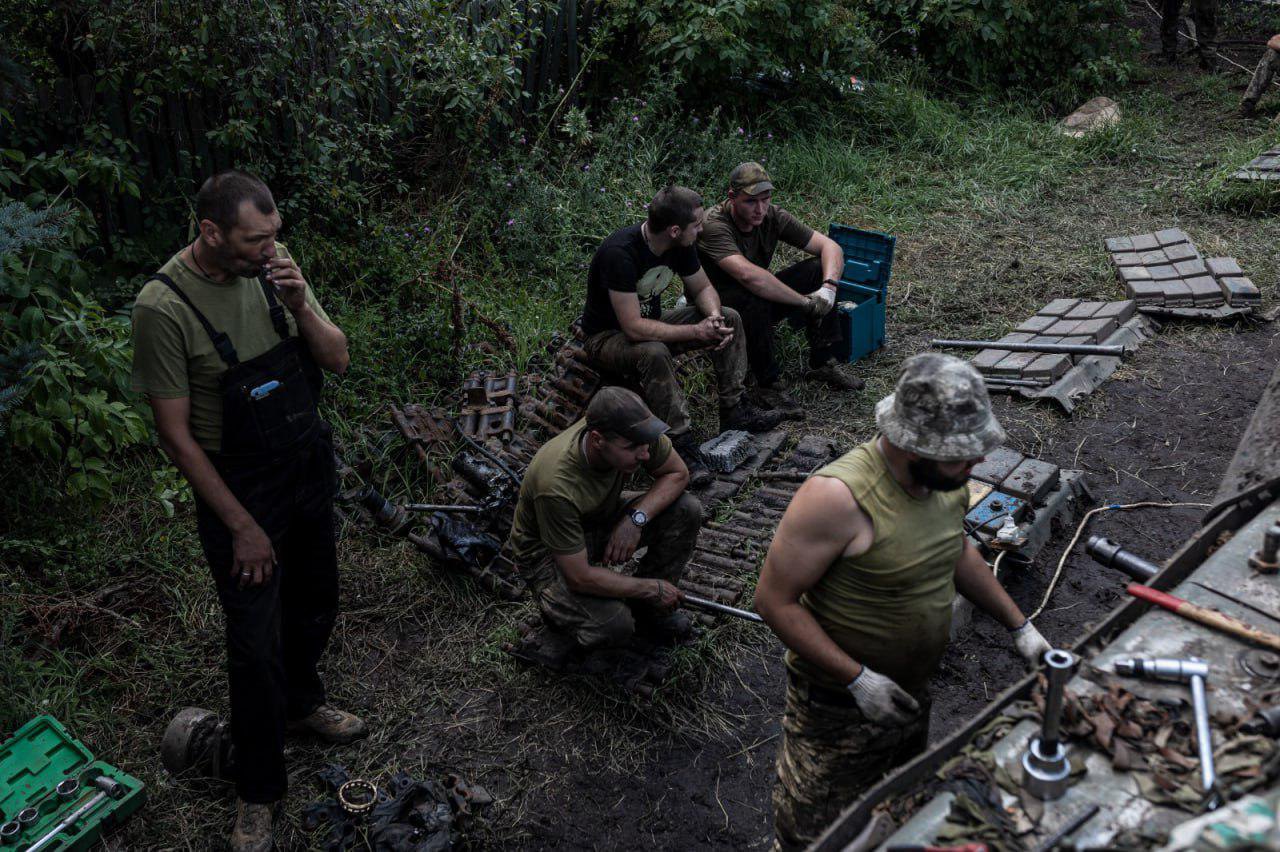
{"x": 699, "y": 473}
{"x": 747, "y": 417}
{"x": 774, "y": 397}
{"x": 673, "y": 628}
{"x": 331, "y": 725}
{"x": 252, "y": 832}
{"x": 832, "y": 375}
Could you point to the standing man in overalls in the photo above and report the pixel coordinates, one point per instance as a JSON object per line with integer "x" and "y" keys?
{"x": 229, "y": 342}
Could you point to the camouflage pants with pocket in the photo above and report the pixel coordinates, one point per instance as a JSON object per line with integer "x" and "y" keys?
{"x": 830, "y": 755}
{"x": 1204, "y": 13}
{"x": 1268, "y": 65}
{"x": 597, "y": 622}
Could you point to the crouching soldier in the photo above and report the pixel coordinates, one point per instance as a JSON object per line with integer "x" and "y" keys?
{"x": 859, "y": 583}
{"x": 572, "y": 522}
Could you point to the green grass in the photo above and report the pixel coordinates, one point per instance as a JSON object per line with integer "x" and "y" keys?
{"x": 995, "y": 214}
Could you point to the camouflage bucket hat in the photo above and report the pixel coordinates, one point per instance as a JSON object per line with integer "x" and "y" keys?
{"x": 940, "y": 410}
{"x": 750, "y": 178}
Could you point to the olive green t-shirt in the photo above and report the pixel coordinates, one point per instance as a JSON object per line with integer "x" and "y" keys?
{"x": 890, "y": 608}
{"x": 562, "y": 496}
{"x": 172, "y": 354}
{"x": 720, "y": 238}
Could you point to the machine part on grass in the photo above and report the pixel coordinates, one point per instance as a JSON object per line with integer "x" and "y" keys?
{"x": 1069, "y": 829}
{"x": 1108, "y": 351}
{"x": 1264, "y": 559}
{"x": 711, "y": 606}
{"x": 1045, "y": 769}
{"x": 357, "y": 796}
{"x": 385, "y": 514}
{"x": 1193, "y": 672}
{"x": 1265, "y": 722}
{"x": 1204, "y": 615}
{"x": 727, "y": 450}
{"x": 1260, "y": 665}
{"x": 1111, "y": 555}
{"x": 489, "y": 407}
{"x": 1272, "y": 614}
{"x": 197, "y": 744}
{"x": 1057, "y": 574}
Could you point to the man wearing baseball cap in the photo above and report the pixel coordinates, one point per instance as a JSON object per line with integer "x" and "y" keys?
{"x": 859, "y": 583}
{"x": 573, "y": 522}
{"x": 737, "y": 245}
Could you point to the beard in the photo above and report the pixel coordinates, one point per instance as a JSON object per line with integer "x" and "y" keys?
{"x": 926, "y": 473}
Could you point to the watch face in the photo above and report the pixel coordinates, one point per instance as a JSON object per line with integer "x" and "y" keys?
{"x": 639, "y": 517}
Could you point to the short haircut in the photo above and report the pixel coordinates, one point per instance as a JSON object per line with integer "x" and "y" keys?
{"x": 220, "y": 197}
{"x": 673, "y": 205}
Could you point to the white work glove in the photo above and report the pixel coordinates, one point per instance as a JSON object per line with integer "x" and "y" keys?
{"x": 881, "y": 700}
{"x": 826, "y": 294}
{"x": 1030, "y": 644}
{"x": 816, "y": 306}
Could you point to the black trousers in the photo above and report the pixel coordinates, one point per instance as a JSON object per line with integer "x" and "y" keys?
{"x": 760, "y": 316}
{"x": 276, "y": 632}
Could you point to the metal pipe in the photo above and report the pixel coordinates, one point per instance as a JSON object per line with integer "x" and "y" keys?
{"x": 79, "y": 812}
{"x": 711, "y": 606}
{"x": 1059, "y": 665}
{"x": 1106, "y": 552}
{"x": 1047, "y": 348}
{"x": 441, "y": 507}
{"x": 1193, "y": 672}
{"x": 995, "y": 381}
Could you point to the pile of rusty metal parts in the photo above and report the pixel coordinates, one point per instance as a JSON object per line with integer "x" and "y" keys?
{"x": 404, "y": 814}
{"x": 1157, "y": 730}
{"x": 1061, "y": 353}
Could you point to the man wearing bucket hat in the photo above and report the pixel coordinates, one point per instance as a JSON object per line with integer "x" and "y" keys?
{"x": 859, "y": 583}
{"x": 737, "y": 245}
{"x": 573, "y": 522}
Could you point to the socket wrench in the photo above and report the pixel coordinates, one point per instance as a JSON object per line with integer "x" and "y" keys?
{"x": 1191, "y": 672}
{"x": 1045, "y": 768}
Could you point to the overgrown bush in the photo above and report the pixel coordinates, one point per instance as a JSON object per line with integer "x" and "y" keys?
{"x": 990, "y": 44}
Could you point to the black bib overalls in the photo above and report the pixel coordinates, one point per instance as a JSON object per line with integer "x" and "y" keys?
{"x": 277, "y": 459}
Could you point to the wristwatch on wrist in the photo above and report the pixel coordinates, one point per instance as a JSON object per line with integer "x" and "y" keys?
{"x": 638, "y": 517}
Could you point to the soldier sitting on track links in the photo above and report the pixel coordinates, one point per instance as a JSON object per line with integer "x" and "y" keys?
{"x": 573, "y": 521}
{"x": 859, "y": 583}
{"x": 629, "y": 334}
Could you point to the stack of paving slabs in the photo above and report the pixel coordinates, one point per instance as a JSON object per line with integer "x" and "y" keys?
{"x": 1063, "y": 378}
{"x": 726, "y": 559}
{"x": 1032, "y": 491}
{"x": 1265, "y": 166}
{"x": 1165, "y": 275}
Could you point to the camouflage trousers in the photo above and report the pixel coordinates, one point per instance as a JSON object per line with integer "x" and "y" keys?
{"x": 1267, "y": 68}
{"x": 1205, "y": 15}
{"x": 595, "y": 622}
{"x": 830, "y": 755}
{"x": 651, "y": 364}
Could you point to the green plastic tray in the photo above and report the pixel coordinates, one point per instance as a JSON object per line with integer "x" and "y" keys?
{"x": 32, "y": 762}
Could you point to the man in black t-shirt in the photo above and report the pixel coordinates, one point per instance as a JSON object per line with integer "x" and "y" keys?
{"x": 631, "y": 336}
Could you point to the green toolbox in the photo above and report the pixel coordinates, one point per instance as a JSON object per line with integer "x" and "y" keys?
{"x": 54, "y": 795}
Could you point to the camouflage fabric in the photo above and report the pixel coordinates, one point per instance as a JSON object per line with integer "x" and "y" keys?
{"x": 597, "y": 622}
{"x": 830, "y": 755}
{"x": 1267, "y": 67}
{"x": 750, "y": 178}
{"x": 940, "y": 410}
{"x": 650, "y": 363}
{"x": 1205, "y": 15}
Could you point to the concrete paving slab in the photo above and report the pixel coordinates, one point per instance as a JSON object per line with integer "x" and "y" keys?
{"x": 1036, "y": 324}
{"x": 1118, "y": 311}
{"x": 1084, "y": 310}
{"x": 1224, "y": 267}
{"x": 1062, "y": 328}
{"x": 1058, "y": 307}
{"x": 1153, "y": 258}
{"x": 1074, "y": 340}
{"x": 1163, "y": 273}
{"x": 1031, "y": 480}
{"x": 1041, "y": 338}
{"x": 1115, "y": 244}
{"x": 1176, "y": 293}
{"x": 1239, "y": 291}
{"x": 1131, "y": 258}
{"x": 1191, "y": 268}
{"x": 986, "y": 360}
{"x": 1205, "y": 291}
{"x": 1183, "y": 251}
{"x": 1051, "y": 367}
{"x": 1096, "y": 329}
{"x": 1016, "y": 337}
{"x": 1013, "y": 364}
{"x": 1134, "y": 273}
{"x": 1144, "y": 292}
{"x": 1144, "y": 242}
{"x": 1172, "y": 236}
{"x": 998, "y": 464}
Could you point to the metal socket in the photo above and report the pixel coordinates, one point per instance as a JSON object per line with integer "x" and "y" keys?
{"x": 1045, "y": 768}
{"x": 1106, "y": 552}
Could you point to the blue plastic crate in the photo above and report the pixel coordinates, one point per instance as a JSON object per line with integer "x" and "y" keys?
{"x": 868, "y": 262}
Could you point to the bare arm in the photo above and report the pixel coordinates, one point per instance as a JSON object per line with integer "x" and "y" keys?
{"x": 639, "y": 329}
{"x": 975, "y": 581}
{"x": 698, "y": 290}
{"x": 822, "y": 522}
{"x": 760, "y": 281}
{"x": 251, "y": 546}
{"x": 587, "y": 579}
{"x": 830, "y": 253}
{"x": 326, "y": 341}
{"x": 669, "y": 481}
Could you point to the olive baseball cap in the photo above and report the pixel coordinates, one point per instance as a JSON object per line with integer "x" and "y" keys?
{"x": 750, "y": 178}
{"x": 623, "y": 412}
{"x": 940, "y": 410}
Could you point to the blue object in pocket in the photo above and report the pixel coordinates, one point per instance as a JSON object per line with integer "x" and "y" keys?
{"x": 264, "y": 390}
